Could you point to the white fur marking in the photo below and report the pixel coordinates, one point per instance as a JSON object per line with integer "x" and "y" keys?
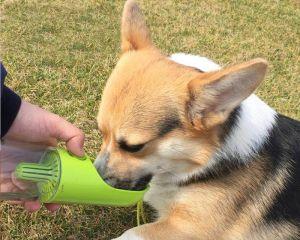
{"x": 129, "y": 235}
{"x": 202, "y": 63}
{"x": 255, "y": 121}
{"x": 252, "y": 129}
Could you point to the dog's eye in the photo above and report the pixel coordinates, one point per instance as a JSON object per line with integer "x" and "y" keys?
{"x": 131, "y": 148}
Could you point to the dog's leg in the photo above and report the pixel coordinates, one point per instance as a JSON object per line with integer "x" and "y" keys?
{"x": 160, "y": 230}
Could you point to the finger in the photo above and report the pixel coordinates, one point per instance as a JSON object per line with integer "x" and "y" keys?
{"x": 70, "y": 134}
{"x": 32, "y": 206}
{"x": 52, "y": 207}
{"x": 75, "y": 145}
{"x": 15, "y": 202}
{"x": 8, "y": 186}
{"x": 21, "y": 185}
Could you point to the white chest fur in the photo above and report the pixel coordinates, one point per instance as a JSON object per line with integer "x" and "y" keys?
{"x": 160, "y": 195}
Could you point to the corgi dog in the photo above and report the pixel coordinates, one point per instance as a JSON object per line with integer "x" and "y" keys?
{"x": 221, "y": 164}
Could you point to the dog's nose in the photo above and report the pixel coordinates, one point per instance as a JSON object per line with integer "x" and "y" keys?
{"x": 101, "y": 163}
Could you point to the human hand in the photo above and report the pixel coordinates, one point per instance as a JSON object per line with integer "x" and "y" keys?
{"x": 36, "y": 125}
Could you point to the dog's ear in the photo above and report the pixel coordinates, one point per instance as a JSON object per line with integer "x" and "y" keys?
{"x": 214, "y": 96}
{"x": 134, "y": 31}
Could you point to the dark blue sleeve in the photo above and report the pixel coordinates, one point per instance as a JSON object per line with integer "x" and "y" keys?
{"x": 10, "y": 104}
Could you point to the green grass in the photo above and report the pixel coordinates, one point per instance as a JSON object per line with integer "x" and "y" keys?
{"x": 60, "y": 53}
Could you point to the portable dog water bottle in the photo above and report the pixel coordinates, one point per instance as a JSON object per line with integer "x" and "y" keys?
{"x": 60, "y": 177}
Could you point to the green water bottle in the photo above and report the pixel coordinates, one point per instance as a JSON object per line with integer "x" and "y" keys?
{"x": 53, "y": 175}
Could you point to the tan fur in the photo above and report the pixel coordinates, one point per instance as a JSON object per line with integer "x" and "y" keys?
{"x": 146, "y": 88}
{"x": 197, "y": 213}
{"x": 135, "y": 33}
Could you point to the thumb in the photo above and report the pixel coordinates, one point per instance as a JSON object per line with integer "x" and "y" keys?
{"x": 70, "y": 134}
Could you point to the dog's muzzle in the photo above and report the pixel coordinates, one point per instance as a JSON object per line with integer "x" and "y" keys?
{"x": 136, "y": 184}
{"x": 128, "y": 184}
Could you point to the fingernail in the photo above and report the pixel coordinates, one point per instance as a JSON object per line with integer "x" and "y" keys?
{"x": 32, "y": 208}
{"x": 53, "y": 209}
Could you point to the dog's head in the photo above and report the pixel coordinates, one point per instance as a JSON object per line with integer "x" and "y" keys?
{"x": 160, "y": 117}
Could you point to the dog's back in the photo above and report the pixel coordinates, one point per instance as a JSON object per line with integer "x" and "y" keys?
{"x": 283, "y": 149}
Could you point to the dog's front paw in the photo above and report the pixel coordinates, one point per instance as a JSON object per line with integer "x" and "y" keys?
{"x": 129, "y": 235}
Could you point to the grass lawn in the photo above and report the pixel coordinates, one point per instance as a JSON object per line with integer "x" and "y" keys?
{"x": 60, "y": 53}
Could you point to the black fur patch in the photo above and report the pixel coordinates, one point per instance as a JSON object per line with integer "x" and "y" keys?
{"x": 223, "y": 167}
{"x": 283, "y": 148}
{"x": 130, "y": 148}
{"x": 169, "y": 124}
{"x": 231, "y": 122}
{"x": 142, "y": 183}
